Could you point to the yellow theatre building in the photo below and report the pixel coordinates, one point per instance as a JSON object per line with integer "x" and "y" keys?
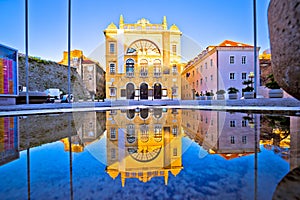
{"x": 143, "y": 60}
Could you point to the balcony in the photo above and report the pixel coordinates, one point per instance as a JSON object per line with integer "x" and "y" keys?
{"x": 129, "y": 74}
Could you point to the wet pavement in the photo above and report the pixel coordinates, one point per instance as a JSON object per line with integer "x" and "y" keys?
{"x": 289, "y": 106}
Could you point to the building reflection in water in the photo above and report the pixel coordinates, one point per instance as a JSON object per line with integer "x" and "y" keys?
{"x": 90, "y": 126}
{"x": 228, "y": 134}
{"x": 143, "y": 143}
{"x": 9, "y": 139}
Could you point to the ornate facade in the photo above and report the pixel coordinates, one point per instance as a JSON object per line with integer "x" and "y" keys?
{"x": 143, "y": 143}
{"x": 143, "y": 60}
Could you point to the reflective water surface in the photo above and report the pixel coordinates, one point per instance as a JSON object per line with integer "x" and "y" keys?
{"x": 150, "y": 153}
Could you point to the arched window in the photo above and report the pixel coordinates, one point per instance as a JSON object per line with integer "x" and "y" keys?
{"x": 144, "y": 65}
{"x": 130, "y": 65}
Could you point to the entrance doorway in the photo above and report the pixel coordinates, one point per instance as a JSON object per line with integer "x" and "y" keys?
{"x": 144, "y": 91}
{"x": 157, "y": 91}
{"x": 129, "y": 91}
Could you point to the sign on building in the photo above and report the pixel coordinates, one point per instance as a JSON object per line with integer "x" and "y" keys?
{"x": 8, "y": 71}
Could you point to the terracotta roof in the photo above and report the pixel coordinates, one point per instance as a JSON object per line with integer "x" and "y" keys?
{"x": 229, "y": 43}
{"x": 87, "y": 61}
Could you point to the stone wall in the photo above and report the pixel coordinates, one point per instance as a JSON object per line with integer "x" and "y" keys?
{"x": 284, "y": 29}
{"x": 47, "y": 74}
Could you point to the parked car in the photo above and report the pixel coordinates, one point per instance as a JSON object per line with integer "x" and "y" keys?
{"x": 52, "y": 95}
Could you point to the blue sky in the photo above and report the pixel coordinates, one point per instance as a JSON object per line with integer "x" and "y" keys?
{"x": 205, "y": 22}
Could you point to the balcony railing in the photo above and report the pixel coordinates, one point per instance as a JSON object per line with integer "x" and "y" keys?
{"x": 129, "y": 74}
{"x": 144, "y": 73}
{"x": 157, "y": 74}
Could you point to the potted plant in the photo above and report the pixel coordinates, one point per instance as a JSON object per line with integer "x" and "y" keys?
{"x": 220, "y": 94}
{"x": 202, "y": 97}
{"x": 248, "y": 90}
{"x": 209, "y": 95}
{"x": 197, "y": 96}
{"x": 275, "y": 91}
{"x": 232, "y": 93}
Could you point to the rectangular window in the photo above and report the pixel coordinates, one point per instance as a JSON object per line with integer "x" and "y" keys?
{"x": 175, "y": 152}
{"x": 113, "y": 154}
{"x": 123, "y": 93}
{"x": 201, "y": 68}
{"x": 205, "y": 65}
{"x": 211, "y": 62}
{"x": 174, "y": 69}
{"x": 201, "y": 80}
{"x": 174, "y": 91}
{"x": 232, "y": 123}
{"x": 205, "y": 79}
{"x": 232, "y": 140}
{"x": 243, "y": 59}
{"x": 112, "y": 68}
{"x": 174, "y": 130}
{"x": 113, "y": 133}
{"x": 244, "y": 76}
{"x": 244, "y": 123}
{"x": 211, "y": 77}
{"x": 112, "y": 48}
{"x": 231, "y": 76}
{"x": 113, "y": 92}
{"x": 231, "y": 59}
{"x": 244, "y": 139}
{"x": 174, "y": 49}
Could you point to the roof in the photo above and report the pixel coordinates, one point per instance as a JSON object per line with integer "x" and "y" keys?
{"x": 87, "y": 61}
{"x": 229, "y": 43}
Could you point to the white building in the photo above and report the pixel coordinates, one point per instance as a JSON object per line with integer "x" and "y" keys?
{"x": 219, "y": 67}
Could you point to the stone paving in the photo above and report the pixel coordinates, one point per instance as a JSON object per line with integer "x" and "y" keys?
{"x": 282, "y": 105}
